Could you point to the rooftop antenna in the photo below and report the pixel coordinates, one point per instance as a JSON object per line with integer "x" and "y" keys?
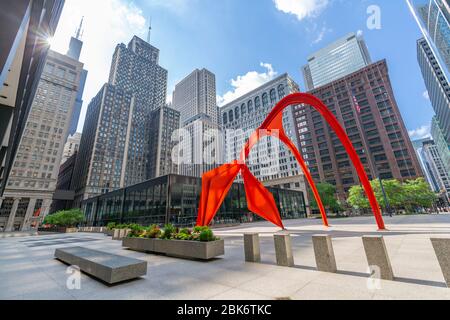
{"x": 79, "y": 33}
{"x": 149, "y": 30}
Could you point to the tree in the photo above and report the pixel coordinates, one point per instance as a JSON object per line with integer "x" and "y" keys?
{"x": 357, "y": 198}
{"x": 410, "y": 195}
{"x": 327, "y": 193}
{"x": 393, "y": 190}
{"x": 417, "y": 193}
{"x": 67, "y": 218}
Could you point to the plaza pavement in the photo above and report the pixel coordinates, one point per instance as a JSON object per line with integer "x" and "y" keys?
{"x": 29, "y": 271}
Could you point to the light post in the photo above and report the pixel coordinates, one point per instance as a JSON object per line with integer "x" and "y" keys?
{"x": 386, "y": 201}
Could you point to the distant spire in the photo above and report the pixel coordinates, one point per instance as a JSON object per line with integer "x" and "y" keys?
{"x": 79, "y": 32}
{"x": 149, "y": 30}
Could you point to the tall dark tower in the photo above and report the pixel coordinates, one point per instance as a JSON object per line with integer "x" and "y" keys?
{"x": 74, "y": 52}
{"x": 76, "y": 44}
{"x": 116, "y": 146}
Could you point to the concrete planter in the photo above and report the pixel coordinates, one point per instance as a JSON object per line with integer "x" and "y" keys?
{"x": 177, "y": 248}
{"x": 58, "y": 230}
{"x": 119, "y": 234}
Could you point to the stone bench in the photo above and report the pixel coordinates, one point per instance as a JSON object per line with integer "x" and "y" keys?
{"x": 107, "y": 267}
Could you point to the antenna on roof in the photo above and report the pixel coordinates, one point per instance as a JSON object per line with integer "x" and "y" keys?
{"x": 149, "y": 30}
{"x": 79, "y": 32}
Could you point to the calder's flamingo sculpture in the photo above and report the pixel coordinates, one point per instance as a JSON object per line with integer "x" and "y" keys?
{"x": 217, "y": 183}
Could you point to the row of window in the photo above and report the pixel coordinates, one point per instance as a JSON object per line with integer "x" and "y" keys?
{"x": 254, "y": 105}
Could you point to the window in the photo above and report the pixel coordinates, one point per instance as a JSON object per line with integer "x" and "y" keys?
{"x": 281, "y": 93}
{"x": 250, "y": 106}
{"x": 225, "y": 118}
{"x": 230, "y": 115}
{"x": 273, "y": 96}
{"x": 236, "y": 113}
{"x": 265, "y": 100}
{"x": 257, "y": 103}
{"x": 243, "y": 109}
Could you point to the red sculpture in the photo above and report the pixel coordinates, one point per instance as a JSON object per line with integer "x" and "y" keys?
{"x": 217, "y": 183}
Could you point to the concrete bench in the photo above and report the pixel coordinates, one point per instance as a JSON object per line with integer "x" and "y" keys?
{"x": 107, "y": 267}
{"x": 442, "y": 249}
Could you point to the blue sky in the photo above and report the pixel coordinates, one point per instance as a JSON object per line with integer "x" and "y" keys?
{"x": 247, "y": 42}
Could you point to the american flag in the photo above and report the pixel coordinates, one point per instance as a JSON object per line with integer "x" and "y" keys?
{"x": 355, "y": 102}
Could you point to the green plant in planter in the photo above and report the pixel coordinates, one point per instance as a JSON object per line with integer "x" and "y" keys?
{"x": 111, "y": 226}
{"x": 169, "y": 231}
{"x": 207, "y": 235}
{"x": 198, "y": 229}
{"x": 184, "y": 234}
{"x": 137, "y": 231}
{"x": 153, "y": 232}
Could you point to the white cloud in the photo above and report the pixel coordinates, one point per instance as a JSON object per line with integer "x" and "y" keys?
{"x": 106, "y": 24}
{"x": 321, "y": 34}
{"x": 420, "y": 133}
{"x": 426, "y": 95}
{"x": 246, "y": 83}
{"x": 302, "y": 8}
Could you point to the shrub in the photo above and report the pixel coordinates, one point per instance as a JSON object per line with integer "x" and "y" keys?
{"x": 111, "y": 226}
{"x": 169, "y": 231}
{"x": 137, "y": 231}
{"x": 153, "y": 232}
{"x": 207, "y": 235}
{"x": 67, "y": 218}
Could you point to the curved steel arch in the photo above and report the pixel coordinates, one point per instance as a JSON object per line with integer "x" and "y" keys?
{"x": 216, "y": 183}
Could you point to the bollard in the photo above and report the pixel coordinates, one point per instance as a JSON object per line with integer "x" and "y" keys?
{"x": 323, "y": 250}
{"x": 442, "y": 249}
{"x": 377, "y": 257}
{"x": 283, "y": 249}
{"x": 116, "y": 234}
{"x": 251, "y": 247}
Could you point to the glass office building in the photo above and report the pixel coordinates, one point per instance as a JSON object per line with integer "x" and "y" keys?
{"x": 341, "y": 58}
{"x": 174, "y": 199}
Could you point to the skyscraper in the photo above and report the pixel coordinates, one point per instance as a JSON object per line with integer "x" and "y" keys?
{"x": 74, "y": 52}
{"x": 435, "y": 16}
{"x": 335, "y": 61}
{"x": 364, "y": 104}
{"x": 102, "y": 157}
{"x": 271, "y": 161}
{"x": 195, "y": 98}
{"x": 163, "y": 123}
{"x": 439, "y": 91}
{"x": 71, "y": 146}
{"x": 135, "y": 68}
{"x": 431, "y": 177}
{"x": 436, "y": 83}
{"x": 441, "y": 143}
{"x": 196, "y": 94}
{"x": 25, "y": 26}
{"x": 33, "y": 178}
{"x": 115, "y": 144}
{"x": 436, "y": 166}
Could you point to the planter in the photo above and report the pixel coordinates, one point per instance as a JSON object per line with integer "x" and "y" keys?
{"x": 109, "y": 233}
{"x": 119, "y": 234}
{"x": 177, "y": 248}
{"x": 58, "y": 230}
{"x": 92, "y": 229}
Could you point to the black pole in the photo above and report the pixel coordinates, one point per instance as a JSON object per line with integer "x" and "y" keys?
{"x": 386, "y": 201}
